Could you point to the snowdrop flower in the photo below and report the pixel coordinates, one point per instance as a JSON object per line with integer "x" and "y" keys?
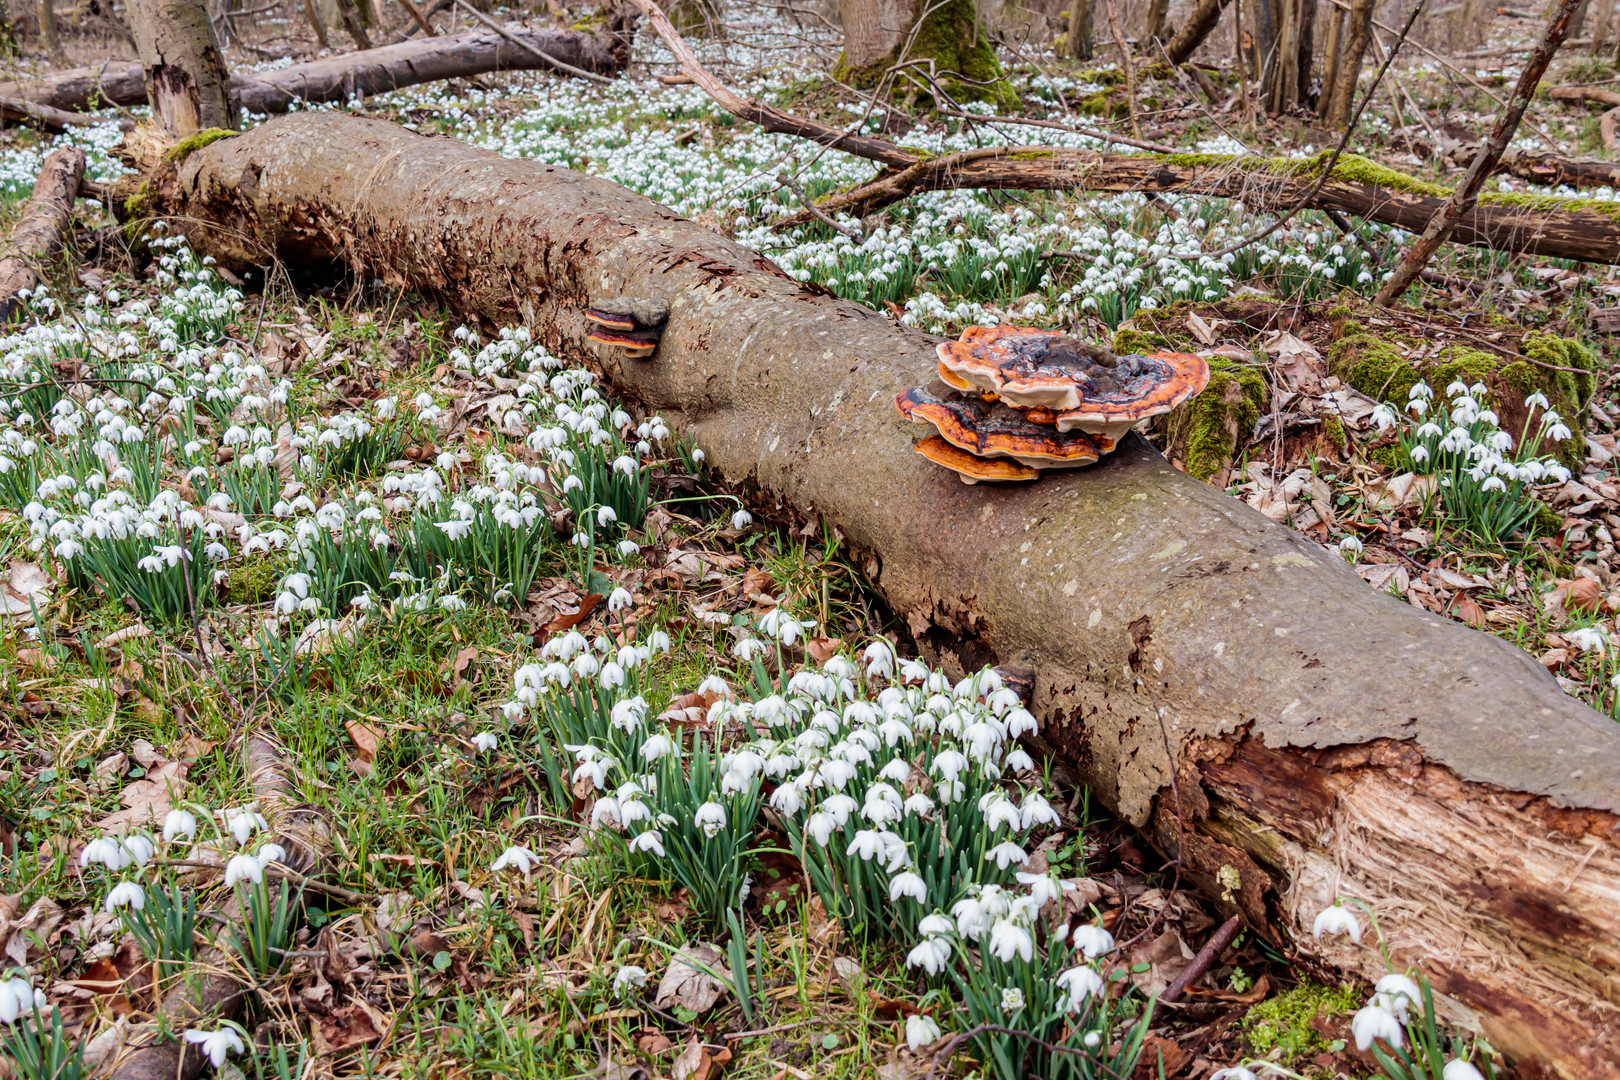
{"x": 1008, "y": 939}
{"x": 126, "y": 894}
{"x": 1236, "y": 1072}
{"x": 1042, "y": 887}
{"x": 1537, "y": 400}
{"x": 1350, "y": 547}
{"x": 16, "y": 997}
{"x": 1012, "y": 998}
{"x": 741, "y": 519}
{"x": 1092, "y": 941}
{"x": 620, "y": 599}
{"x": 1587, "y": 639}
{"x": 1459, "y": 1069}
{"x": 629, "y": 978}
{"x": 1006, "y": 854}
{"x": 747, "y": 648}
{"x": 179, "y": 823}
{"x": 908, "y": 883}
{"x": 710, "y": 818}
{"x": 243, "y": 823}
{"x": 1035, "y": 810}
{"x": 518, "y": 858}
{"x": 1384, "y": 417}
{"x": 140, "y": 848}
{"x": 657, "y": 746}
{"x": 628, "y": 548}
{"x": 651, "y": 840}
{"x": 921, "y": 1031}
{"x": 108, "y": 852}
{"x": 1337, "y": 920}
{"x": 1375, "y": 1022}
{"x": 820, "y": 827}
{"x": 879, "y": 661}
{"x": 1079, "y": 984}
{"x": 216, "y": 1044}
{"x": 484, "y": 741}
{"x": 1395, "y": 992}
{"x": 270, "y": 853}
{"x": 932, "y": 955}
{"x": 243, "y": 868}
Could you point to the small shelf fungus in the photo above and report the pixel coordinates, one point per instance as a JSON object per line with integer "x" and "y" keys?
{"x": 628, "y": 323}
{"x": 1040, "y": 398}
{"x": 970, "y": 468}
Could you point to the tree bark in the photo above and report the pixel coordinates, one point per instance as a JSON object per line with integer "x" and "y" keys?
{"x": 1325, "y": 739}
{"x": 186, "y": 78}
{"x": 1445, "y": 221}
{"x": 39, "y": 233}
{"x": 1205, "y": 17}
{"x": 1552, "y": 170}
{"x": 316, "y": 23}
{"x": 1600, "y": 26}
{"x": 45, "y": 13}
{"x": 1153, "y": 25}
{"x": 1357, "y": 36}
{"x": 1330, "y": 59}
{"x": 938, "y": 41}
{"x": 605, "y": 52}
{"x": 1080, "y": 30}
{"x": 352, "y": 23}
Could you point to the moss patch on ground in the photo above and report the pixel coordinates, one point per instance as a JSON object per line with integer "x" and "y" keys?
{"x": 1206, "y": 433}
{"x": 1561, "y": 368}
{"x": 1282, "y": 1025}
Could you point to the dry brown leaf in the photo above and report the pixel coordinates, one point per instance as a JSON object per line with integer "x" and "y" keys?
{"x": 458, "y": 666}
{"x": 758, "y": 587}
{"x": 1166, "y": 956}
{"x": 822, "y": 649}
{"x": 149, "y": 800}
{"x": 698, "y": 1061}
{"x": 366, "y": 739}
{"x": 651, "y": 1041}
{"x": 344, "y": 1029}
{"x": 27, "y": 933}
{"x": 1469, "y": 612}
{"x": 686, "y": 984}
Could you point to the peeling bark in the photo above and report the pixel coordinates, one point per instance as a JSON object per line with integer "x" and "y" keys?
{"x": 186, "y": 78}
{"x": 1327, "y": 739}
{"x": 39, "y": 233}
{"x": 605, "y": 52}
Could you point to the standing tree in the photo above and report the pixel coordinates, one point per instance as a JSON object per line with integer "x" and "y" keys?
{"x": 937, "y": 45}
{"x": 1079, "y": 39}
{"x": 1340, "y": 98}
{"x": 186, "y": 79}
{"x": 45, "y": 12}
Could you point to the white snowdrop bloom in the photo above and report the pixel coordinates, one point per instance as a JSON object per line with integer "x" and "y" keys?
{"x": 1006, "y": 854}
{"x": 1042, "y": 887}
{"x": 586, "y": 665}
{"x": 998, "y": 811}
{"x": 1373, "y": 1023}
{"x": 710, "y": 818}
{"x": 106, "y": 851}
{"x": 1337, "y": 920}
{"x": 629, "y": 978}
{"x": 1236, "y": 1072}
{"x": 650, "y": 841}
{"x": 484, "y": 741}
{"x": 243, "y": 868}
{"x": 908, "y": 884}
{"x": 1092, "y": 940}
{"x": 657, "y": 746}
{"x": 820, "y": 827}
{"x": 270, "y": 853}
{"x": 628, "y": 548}
{"x": 879, "y": 660}
{"x": 1079, "y": 984}
{"x": 140, "y": 848}
{"x": 921, "y": 1031}
{"x": 931, "y": 954}
{"x": 517, "y": 857}
{"x": 126, "y": 894}
{"x": 1008, "y": 939}
{"x": 788, "y": 799}
{"x": 1035, "y": 810}
{"x": 1458, "y": 1069}
{"x": 17, "y": 995}
{"x": 179, "y": 823}
{"x": 919, "y": 804}
{"x": 747, "y": 648}
{"x": 620, "y": 599}
{"x": 1587, "y": 639}
{"x": 216, "y": 1045}
{"x": 741, "y": 519}
{"x": 1398, "y": 987}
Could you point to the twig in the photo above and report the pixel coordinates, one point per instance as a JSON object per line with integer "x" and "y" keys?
{"x": 578, "y": 73}
{"x": 1466, "y": 194}
{"x": 1157, "y": 148}
{"x": 1205, "y": 959}
{"x": 809, "y": 204}
{"x": 337, "y": 892}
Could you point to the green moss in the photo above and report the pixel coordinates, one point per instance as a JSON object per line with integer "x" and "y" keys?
{"x": 1388, "y": 456}
{"x": 1206, "y": 432}
{"x": 178, "y": 152}
{"x": 254, "y": 582}
{"x": 1333, "y": 431}
{"x": 1280, "y": 1029}
{"x": 961, "y": 51}
{"x": 1139, "y": 342}
{"x": 1547, "y": 521}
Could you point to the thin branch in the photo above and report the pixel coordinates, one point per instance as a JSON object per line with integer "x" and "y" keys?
{"x": 809, "y": 204}
{"x": 578, "y": 73}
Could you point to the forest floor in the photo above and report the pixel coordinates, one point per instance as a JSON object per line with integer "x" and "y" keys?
{"x": 403, "y": 678}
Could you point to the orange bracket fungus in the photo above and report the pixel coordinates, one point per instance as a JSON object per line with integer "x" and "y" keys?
{"x": 629, "y": 323}
{"x": 1019, "y": 393}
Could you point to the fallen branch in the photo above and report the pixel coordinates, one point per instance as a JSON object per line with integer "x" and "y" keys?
{"x": 1304, "y": 765}
{"x": 46, "y": 118}
{"x": 40, "y": 232}
{"x": 787, "y": 181}
{"x": 1553, "y": 170}
{"x": 534, "y": 50}
{"x": 598, "y": 55}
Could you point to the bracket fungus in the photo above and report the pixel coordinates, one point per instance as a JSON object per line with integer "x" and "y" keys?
{"x": 629, "y": 323}
{"x": 991, "y": 429}
{"x": 1041, "y": 399}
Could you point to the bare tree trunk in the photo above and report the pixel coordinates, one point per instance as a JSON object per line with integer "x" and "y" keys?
{"x": 45, "y": 12}
{"x": 937, "y": 41}
{"x": 1357, "y": 36}
{"x": 1462, "y": 200}
{"x": 1330, "y": 59}
{"x": 1153, "y": 25}
{"x": 1600, "y": 29}
{"x": 1304, "y": 52}
{"x": 186, "y": 79}
{"x": 1080, "y": 30}
{"x": 1318, "y": 739}
{"x": 352, "y": 23}
{"x": 1265, "y": 48}
{"x": 1205, "y": 17}
{"x": 316, "y": 22}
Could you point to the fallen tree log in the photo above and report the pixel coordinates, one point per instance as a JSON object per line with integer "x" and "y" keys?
{"x": 39, "y": 233}
{"x": 1553, "y": 170}
{"x": 1325, "y": 739}
{"x": 604, "y": 51}
{"x": 45, "y": 118}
